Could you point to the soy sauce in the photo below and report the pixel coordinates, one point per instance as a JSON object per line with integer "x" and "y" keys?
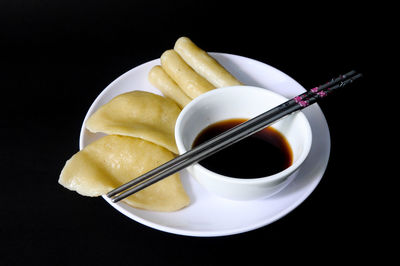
{"x": 264, "y": 153}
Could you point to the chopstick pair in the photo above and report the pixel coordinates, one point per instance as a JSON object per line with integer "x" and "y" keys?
{"x": 231, "y": 136}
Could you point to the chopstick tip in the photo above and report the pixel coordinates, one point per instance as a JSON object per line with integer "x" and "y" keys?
{"x": 115, "y": 199}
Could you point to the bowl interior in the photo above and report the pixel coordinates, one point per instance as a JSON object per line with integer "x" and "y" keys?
{"x": 240, "y": 102}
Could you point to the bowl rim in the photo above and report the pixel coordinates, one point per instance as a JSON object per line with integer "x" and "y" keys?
{"x": 266, "y": 179}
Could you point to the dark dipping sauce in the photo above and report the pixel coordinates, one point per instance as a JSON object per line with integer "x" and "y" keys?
{"x": 264, "y": 153}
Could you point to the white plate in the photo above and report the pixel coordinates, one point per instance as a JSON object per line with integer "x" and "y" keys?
{"x": 209, "y": 215}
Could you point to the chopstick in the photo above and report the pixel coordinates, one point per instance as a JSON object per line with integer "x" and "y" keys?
{"x": 231, "y": 136}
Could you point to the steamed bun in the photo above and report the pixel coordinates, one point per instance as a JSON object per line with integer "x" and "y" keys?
{"x": 138, "y": 114}
{"x": 114, "y": 160}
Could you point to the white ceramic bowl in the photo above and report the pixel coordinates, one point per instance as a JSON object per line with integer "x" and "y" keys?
{"x": 241, "y": 102}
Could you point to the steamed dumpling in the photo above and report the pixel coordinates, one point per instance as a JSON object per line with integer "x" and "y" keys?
{"x": 138, "y": 114}
{"x": 114, "y": 160}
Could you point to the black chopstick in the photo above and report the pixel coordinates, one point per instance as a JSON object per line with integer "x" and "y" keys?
{"x": 231, "y": 136}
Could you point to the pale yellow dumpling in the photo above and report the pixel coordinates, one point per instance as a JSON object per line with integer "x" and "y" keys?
{"x": 138, "y": 114}
{"x": 114, "y": 160}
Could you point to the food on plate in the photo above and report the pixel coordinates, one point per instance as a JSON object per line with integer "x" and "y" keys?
{"x": 114, "y": 160}
{"x": 159, "y": 79}
{"x": 138, "y": 114}
{"x": 188, "y": 80}
{"x": 204, "y": 64}
{"x": 187, "y": 71}
{"x": 141, "y": 126}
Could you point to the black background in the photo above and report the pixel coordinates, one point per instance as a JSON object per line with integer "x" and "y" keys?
{"x": 57, "y": 56}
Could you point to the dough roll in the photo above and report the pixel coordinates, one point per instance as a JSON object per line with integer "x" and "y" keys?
{"x": 188, "y": 80}
{"x": 204, "y": 64}
{"x": 159, "y": 79}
